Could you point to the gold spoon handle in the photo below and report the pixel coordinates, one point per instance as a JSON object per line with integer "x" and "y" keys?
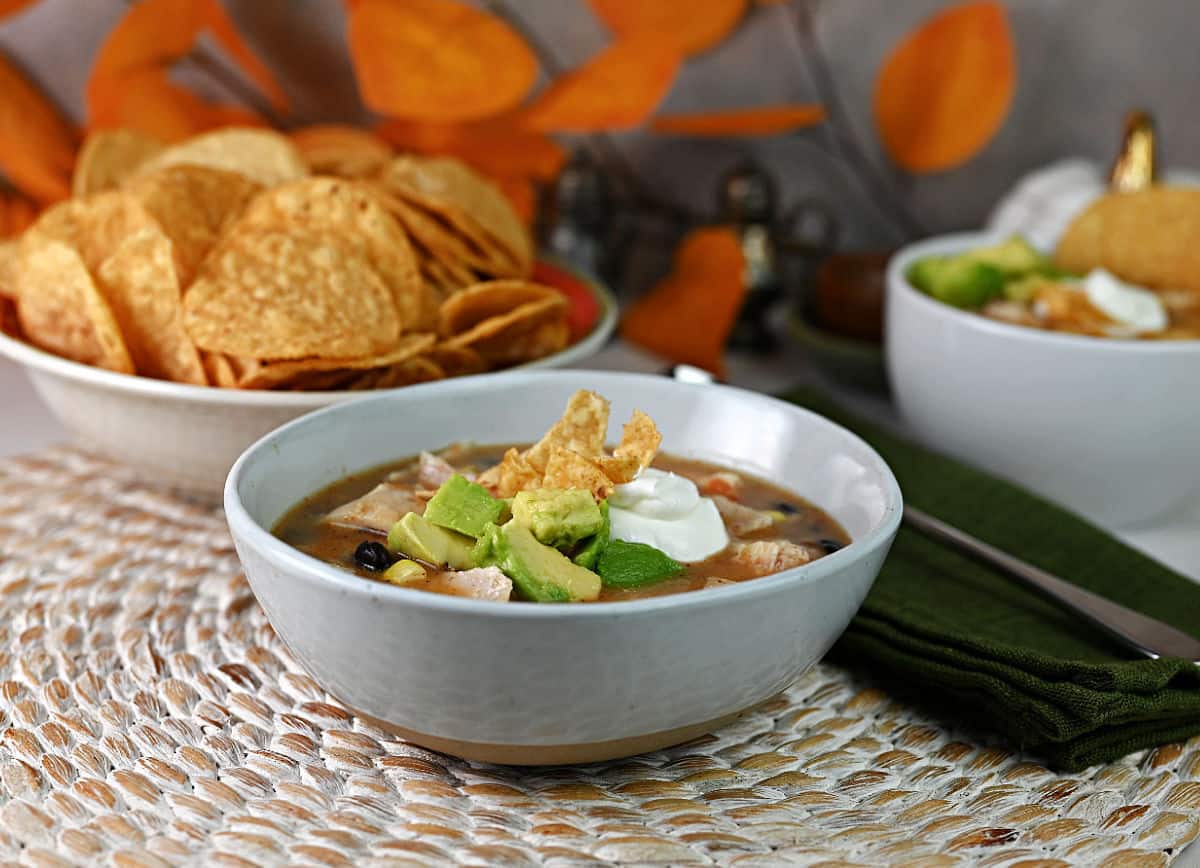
{"x": 1136, "y": 165}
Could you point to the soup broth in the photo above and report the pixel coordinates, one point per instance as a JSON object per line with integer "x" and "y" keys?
{"x": 770, "y": 529}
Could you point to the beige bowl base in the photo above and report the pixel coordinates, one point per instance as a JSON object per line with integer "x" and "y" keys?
{"x": 555, "y": 754}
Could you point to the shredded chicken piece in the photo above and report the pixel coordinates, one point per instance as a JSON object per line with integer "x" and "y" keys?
{"x": 1012, "y": 312}
{"x": 1180, "y": 301}
{"x": 432, "y": 471}
{"x": 722, "y": 482}
{"x": 378, "y": 509}
{"x": 770, "y": 556}
{"x": 483, "y": 583}
{"x": 739, "y": 519}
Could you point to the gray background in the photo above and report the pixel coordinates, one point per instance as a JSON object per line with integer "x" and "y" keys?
{"x": 1082, "y": 63}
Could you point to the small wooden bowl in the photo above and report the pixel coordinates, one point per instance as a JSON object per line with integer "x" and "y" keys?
{"x": 848, "y": 294}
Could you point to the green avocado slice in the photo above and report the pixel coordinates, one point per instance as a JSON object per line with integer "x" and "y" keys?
{"x": 539, "y": 572}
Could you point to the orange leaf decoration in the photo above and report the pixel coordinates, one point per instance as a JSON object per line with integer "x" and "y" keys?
{"x": 688, "y": 316}
{"x": 157, "y": 107}
{"x": 764, "y": 121}
{"x": 138, "y": 53}
{"x": 694, "y": 25}
{"x": 496, "y": 147}
{"x": 617, "y": 89}
{"x": 8, "y": 7}
{"x": 946, "y": 89}
{"x": 37, "y": 145}
{"x": 437, "y": 60}
{"x": 521, "y": 194}
{"x": 16, "y": 214}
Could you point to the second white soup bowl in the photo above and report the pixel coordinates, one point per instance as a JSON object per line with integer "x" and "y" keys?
{"x": 1107, "y": 427}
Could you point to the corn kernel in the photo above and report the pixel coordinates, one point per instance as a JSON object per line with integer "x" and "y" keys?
{"x": 404, "y": 572}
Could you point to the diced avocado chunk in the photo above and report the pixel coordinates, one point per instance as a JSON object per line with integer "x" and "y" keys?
{"x": 463, "y": 506}
{"x": 415, "y": 536}
{"x": 487, "y": 549}
{"x": 594, "y": 545}
{"x": 632, "y": 565}
{"x": 539, "y": 572}
{"x": 922, "y": 272}
{"x": 962, "y": 282}
{"x": 1014, "y": 257}
{"x": 557, "y": 517}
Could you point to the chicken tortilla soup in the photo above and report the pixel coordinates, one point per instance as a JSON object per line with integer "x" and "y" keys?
{"x": 563, "y": 520}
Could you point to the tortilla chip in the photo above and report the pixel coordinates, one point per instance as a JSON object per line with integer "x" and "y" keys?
{"x": 364, "y": 380}
{"x": 273, "y": 374}
{"x": 141, "y": 287}
{"x": 619, "y": 469}
{"x": 9, "y": 324}
{"x": 261, "y": 155}
{"x": 445, "y": 242}
{"x": 482, "y": 301}
{"x": 108, "y": 157}
{"x": 439, "y": 279}
{"x": 458, "y": 361}
{"x": 219, "y": 370}
{"x": 1146, "y": 237}
{"x": 493, "y": 337}
{"x": 10, "y": 251}
{"x": 446, "y": 275}
{"x": 277, "y": 295}
{"x": 345, "y": 151}
{"x": 93, "y": 225}
{"x": 353, "y": 214}
{"x": 511, "y": 475}
{"x": 518, "y": 347}
{"x": 193, "y": 205}
{"x": 568, "y": 469}
{"x": 571, "y": 454}
{"x": 470, "y": 203}
{"x": 640, "y": 440}
{"x": 421, "y": 369}
{"x": 581, "y": 429}
{"x": 61, "y": 310}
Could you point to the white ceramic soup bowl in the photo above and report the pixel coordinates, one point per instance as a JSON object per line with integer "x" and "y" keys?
{"x": 186, "y": 437}
{"x": 1109, "y": 428}
{"x": 531, "y": 683}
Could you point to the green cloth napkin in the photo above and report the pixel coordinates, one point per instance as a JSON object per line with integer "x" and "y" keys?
{"x": 980, "y": 646}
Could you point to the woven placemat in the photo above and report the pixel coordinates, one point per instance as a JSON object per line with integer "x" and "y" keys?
{"x": 150, "y": 716}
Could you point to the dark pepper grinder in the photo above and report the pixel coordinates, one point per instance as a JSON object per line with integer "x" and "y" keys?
{"x": 575, "y": 222}
{"x": 747, "y": 202}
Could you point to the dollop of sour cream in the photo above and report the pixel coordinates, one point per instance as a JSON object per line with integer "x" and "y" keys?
{"x": 1139, "y": 309}
{"x": 666, "y": 511}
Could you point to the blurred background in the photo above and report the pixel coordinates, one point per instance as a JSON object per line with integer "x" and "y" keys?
{"x": 806, "y": 127}
{"x": 1081, "y": 65}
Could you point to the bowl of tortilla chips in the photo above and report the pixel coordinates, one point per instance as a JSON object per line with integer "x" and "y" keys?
{"x": 190, "y": 297}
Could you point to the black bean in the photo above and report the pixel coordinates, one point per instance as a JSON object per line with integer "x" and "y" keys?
{"x": 830, "y": 545}
{"x": 372, "y": 556}
{"x": 786, "y": 508}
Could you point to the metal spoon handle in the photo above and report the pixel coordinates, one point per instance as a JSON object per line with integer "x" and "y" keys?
{"x": 1144, "y": 634}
